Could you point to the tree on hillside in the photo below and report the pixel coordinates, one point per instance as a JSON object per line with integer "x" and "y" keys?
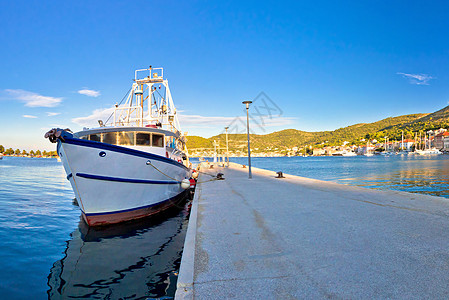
{"x": 24, "y": 152}
{"x": 17, "y": 152}
{"x": 2, "y": 149}
{"x": 32, "y": 153}
{"x": 10, "y": 151}
{"x": 38, "y": 153}
{"x": 44, "y": 153}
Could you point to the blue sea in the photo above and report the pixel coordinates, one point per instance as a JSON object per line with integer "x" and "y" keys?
{"x": 47, "y": 251}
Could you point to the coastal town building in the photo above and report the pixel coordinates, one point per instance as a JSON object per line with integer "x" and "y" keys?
{"x": 319, "y": 152}
{"x": 438, "y": 140}
{"x": 446, "y": 143}
{"x": 407, "y": 145}
{"x": 365, "y": 149}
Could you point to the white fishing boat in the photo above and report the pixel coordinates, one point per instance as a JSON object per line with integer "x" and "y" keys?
{"x": 134, "y": 166}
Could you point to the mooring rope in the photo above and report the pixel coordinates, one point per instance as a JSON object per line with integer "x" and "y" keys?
{"x": 213, "y": 179}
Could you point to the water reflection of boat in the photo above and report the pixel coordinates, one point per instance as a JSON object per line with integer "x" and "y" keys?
{"x": 132, "y": 260}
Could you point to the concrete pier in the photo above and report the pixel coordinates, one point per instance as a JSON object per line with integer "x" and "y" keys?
{"x": 296, "y": 238}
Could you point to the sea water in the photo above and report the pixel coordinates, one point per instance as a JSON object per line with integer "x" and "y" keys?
{"x": 47, "y": 251}
{"x": 425, "y": 174}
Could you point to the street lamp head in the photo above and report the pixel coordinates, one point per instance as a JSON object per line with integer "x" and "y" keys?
{"x": 227, "y": 127}
{"x": 247, "y": 103}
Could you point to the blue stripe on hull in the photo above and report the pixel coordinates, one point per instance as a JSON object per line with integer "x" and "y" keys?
{"x": 133, "y": 152}
{"x": 129, "y": 180}
{"x": 136, "y": 208}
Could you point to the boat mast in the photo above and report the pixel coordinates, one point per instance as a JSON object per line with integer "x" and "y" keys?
{"x": 420, "y": 141}
{"x": 160, "y": 112}
{"x": 425, "y": 140}
{"x": 416, "y": 136}
{"x": 402, "y": 144}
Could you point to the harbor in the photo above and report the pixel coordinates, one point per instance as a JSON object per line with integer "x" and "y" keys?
{"x": 294, "y": 237}
{"x": 224, "y": 150}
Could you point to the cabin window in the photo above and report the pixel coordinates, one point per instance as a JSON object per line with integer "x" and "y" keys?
{"x": 158, "y": 140}
{"x": 125, "y": 138}
{"x": 110, "y": 138}
{"x": 84, "y": 137}
{"x": 143, "y": 139}
{"x": 95, "y": 137}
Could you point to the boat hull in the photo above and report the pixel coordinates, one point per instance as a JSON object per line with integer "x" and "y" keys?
{"x": 113, "y": 184}
{"x": 132, "y": 214}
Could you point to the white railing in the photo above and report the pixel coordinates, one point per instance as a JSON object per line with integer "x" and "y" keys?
{"x": 153, "y": 74}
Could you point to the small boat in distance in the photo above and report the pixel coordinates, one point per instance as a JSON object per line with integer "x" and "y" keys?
{"x": 349, "y": 153}
{"x": 431, "y": 151}
{"x": 134, "y": 166}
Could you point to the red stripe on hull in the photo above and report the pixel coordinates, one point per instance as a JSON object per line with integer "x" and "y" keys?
{"x": 113, "y": 218}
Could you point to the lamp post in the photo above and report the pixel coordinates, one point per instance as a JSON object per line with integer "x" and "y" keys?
{"x": 215, "y": 153}
{"x": 247, "y": 103}
{"x": 227, "y": 148}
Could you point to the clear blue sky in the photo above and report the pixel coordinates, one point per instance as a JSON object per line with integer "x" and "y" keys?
{"x": 326, "y": 64}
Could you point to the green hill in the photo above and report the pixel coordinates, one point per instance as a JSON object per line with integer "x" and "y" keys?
{"x": 288, "y": 138}
{"x": 199, "y": 142}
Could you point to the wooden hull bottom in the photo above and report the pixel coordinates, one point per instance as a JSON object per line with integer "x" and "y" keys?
{"x": 129, "y": 215}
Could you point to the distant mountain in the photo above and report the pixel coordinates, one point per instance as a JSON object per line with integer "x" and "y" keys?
{"x": 288, "y": 138}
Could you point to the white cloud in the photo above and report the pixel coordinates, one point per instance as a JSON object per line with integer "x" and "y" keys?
{"x": 92, "y": 120}
{"x": 202, "y": 120}
{"x": 419, "y": 79}
{"x": 224, "y": 121}
{"x": 90, "y": 93}
{"x": 279, "y": 121}
{"x": 52, "y": 114}
{"x": 34, "y": 100}
{"x": 29, "y": 116}
{"x": 258, "y": 124}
